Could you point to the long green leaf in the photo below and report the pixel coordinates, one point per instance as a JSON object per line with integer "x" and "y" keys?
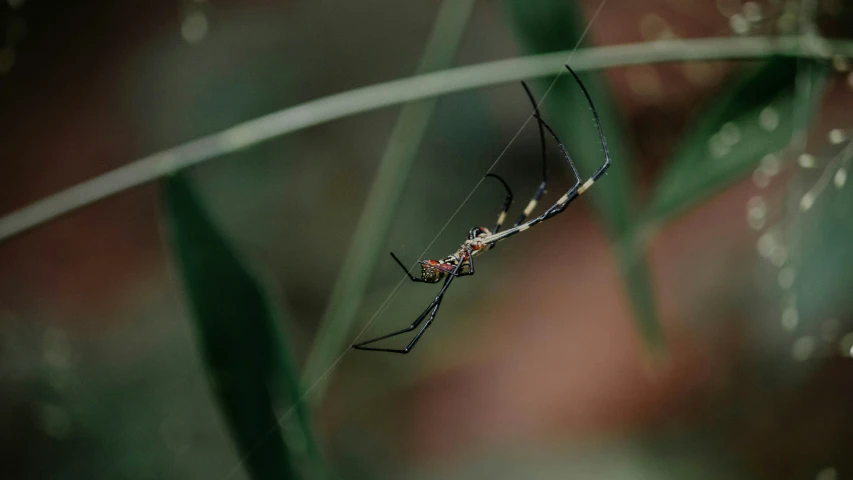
{"x": 375, "y": 223}
{"x": 359, "y": 100}
{"x": 551, "y": 26}
{"x": 753, "y": 117}
{"x": 247, "y": 363}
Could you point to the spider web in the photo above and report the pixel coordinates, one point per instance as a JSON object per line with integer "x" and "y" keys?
{"x": 284, "y": 417}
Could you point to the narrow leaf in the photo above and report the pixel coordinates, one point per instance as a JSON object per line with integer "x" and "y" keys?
{"x": 237, "y": 333}
{"x": 752, "y": 118}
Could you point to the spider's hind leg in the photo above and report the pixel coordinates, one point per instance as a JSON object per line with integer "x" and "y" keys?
{"x": 432, "y": 309}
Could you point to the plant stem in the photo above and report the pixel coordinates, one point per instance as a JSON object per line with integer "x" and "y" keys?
{"x": 405, "y": 90}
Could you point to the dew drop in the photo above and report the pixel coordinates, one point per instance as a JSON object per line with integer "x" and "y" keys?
{"x": 194, "y": 27}
{"x": 846, "y": 345}
{"x": 779, "y": 256}
{"x": 766, "y": 244}
{"x": 807, "y": 201}
{"x": 654, "y": 27}
{"x": 752, "y": 11}
{"x": 806, "y": 160}
{"x": 790, "y": 318}
{"x": 645, "y": 82}
{"x": 729, "y": 134}
{"x": 704, "y": 74}
{"x": 716, "y": 146}
{"x": 836, "y": 136}
{"x": 756, "y": 212}
{"x": 787, "y": 22}
{"x": 840, "y": 177}
{"x": 770, "y": 163}
{"x": 786, "y": 277}
{"x": 768, "y": 119}
{"x": 739, "y": 24}
{"x": 727, "y": 8}
{"x": 760, "y": 178}
{"x": 803, "y": 348}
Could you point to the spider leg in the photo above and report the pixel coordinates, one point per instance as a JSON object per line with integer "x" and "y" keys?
{"x": 577, "y": 189}
{"x": 411, "y": 277}
{"x": 432, "y": 310}
{"x": 603, "y": 168}
{"x": 540, "y": 192}
{"x": 417, "y": 337}
{"x": 507, "y": 203}
{"x": 563, "y": 202}
{"x": 470, "y": 267}
{"x": 573, "y": 192}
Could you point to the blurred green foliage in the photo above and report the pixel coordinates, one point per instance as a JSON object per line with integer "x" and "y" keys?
{"x": 823, "y": 257}
{"x": 249, "y": 366}
{"x": 752, "y": 117}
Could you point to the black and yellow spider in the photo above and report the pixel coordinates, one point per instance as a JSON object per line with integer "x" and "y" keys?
{"x": 480, "y": 239}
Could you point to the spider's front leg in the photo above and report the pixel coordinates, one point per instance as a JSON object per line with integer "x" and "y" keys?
{"x": 411, "y": 277}
{"x": 543, "y": 186}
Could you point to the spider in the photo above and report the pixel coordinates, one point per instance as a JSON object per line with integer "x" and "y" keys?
{"x": 480, "y": 239}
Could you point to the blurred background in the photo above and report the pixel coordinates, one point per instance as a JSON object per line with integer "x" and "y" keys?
{"x": 716, "y": 344}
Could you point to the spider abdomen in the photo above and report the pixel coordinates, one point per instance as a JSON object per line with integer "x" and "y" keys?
{"x": 432, "y": 271}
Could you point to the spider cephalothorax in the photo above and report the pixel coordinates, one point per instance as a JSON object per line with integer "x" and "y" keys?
{"x": 478, "y": 233}
{"x": 480, "y": 239}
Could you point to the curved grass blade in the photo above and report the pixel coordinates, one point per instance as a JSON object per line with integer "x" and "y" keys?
{"x": 553, "y": 26}
{"x": 251, "y": 132}
{"x": 752, "y": 118}
{"x": 248, "y": 365}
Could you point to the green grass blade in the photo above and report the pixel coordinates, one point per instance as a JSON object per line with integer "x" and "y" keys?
{"x": 252, "y": 132}
{"x": 704, "y": 164}
{"x": 247, "y": 363}
{"x": 336, "y": 327}
{"x": 551, "y": 26}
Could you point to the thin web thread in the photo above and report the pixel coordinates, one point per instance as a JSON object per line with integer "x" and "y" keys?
{"x": 388, "y": 300}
